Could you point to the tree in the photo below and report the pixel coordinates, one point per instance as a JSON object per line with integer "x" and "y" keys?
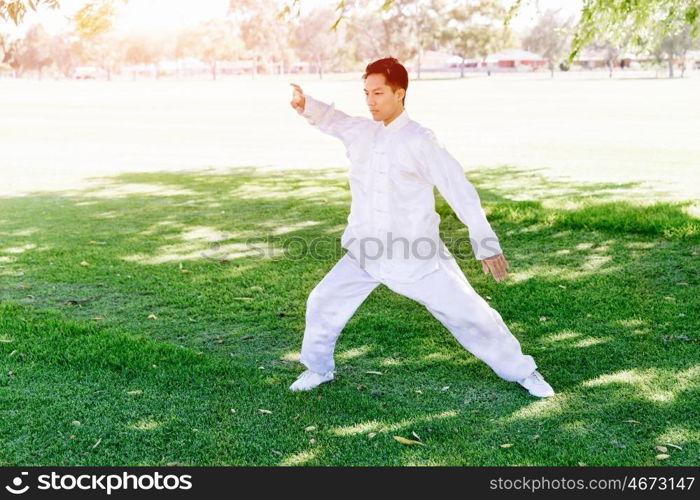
{"x": 16, "y": 9}
{"x": 417, "y": 23}
{"x": 401, "y": 28}
{"x": 674, "y": 46}
{"x": 315, "y": 40}
{"x": 212, "y": 41}
{"x": 610, "y": 51}
{"x": 9, "y": 52}
{"x": 367, "y": 36}
{"x": 638, "y": 21}
{"x": 140, "y": 49}
{"x": 262, "y": 32}
{"x": 473, "y": 30}
{"x": 35, "y": 50}
{"x": 658, "y": 26}
{"x": 615, "y": 19}
{"x": 395, "y": 34}
{"x": 62, "y": 53}
{"x": 550, "y": 38}
{"x": 374, "y": 34}
{"x": 93, "y": 24}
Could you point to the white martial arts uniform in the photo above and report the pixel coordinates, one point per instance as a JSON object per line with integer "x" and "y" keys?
{"x": 392, "y": 238}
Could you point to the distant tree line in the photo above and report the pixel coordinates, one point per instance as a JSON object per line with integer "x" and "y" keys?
{"x": 344, "y": 38}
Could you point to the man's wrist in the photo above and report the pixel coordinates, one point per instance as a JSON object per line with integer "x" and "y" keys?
{"x": 495, "y": 256}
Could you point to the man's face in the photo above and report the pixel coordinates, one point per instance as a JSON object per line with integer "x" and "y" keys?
{"x": 381, "y": 100}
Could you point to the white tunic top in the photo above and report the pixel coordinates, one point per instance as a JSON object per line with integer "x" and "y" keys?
{"x": 393, "y": 228}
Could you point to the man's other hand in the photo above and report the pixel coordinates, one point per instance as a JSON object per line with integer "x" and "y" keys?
{"x": 298, "y": 99}
{"x": 497, "y": 265}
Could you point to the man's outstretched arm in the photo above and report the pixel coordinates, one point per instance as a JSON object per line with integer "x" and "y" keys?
{"x": 445, "y": 172}
{"x": 325, "y": 117}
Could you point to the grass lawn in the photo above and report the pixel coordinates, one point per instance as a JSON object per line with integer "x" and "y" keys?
{"x": 148, "y": 316}
{"x": 88, "y": 378}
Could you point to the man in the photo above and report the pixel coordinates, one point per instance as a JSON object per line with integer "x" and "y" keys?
{"x": 392, "y": 235}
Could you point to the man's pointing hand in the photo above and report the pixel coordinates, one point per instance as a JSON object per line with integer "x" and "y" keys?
{"x": 497, "y": 265}
{"x": 298, "y": 99}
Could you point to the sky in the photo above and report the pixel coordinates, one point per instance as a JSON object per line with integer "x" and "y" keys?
{"x": 172, "y": 15}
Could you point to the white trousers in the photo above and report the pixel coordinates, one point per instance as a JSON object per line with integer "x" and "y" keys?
{"x": 446, "y": 293}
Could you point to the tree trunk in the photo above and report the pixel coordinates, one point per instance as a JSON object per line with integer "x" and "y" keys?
{"x": 670, "y": 66}
{"x": 213, "y": 70}
{"x": 461, "y": 68}
{"x": 420, "y": 57}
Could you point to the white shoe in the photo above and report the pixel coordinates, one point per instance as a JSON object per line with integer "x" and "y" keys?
{"x": 536, "y": 385}
{"x": 310, "y": 379}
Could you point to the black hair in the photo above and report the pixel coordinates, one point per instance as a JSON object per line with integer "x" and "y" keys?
{"x": 394, "y": 73}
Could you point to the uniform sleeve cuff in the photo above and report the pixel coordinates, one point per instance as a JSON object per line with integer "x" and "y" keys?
{"x": 486, "y": 247}
{"x": 312, "y": 109}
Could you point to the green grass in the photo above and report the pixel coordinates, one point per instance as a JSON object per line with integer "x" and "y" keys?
{"x": 615, "y": 279}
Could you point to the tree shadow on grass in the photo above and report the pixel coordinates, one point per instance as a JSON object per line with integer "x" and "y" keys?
{"x": 601, "y": 293}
